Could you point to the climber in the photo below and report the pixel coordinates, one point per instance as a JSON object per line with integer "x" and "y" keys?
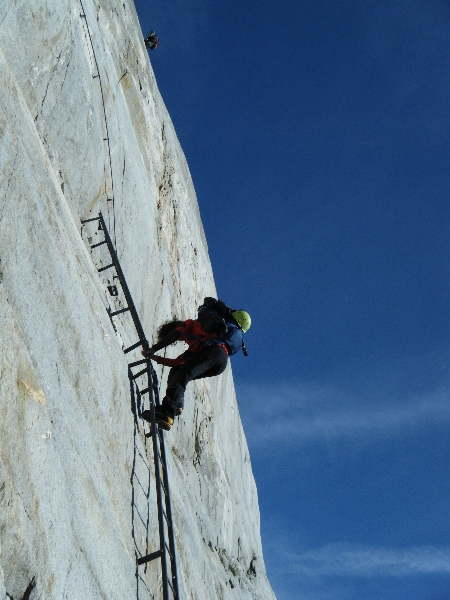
{"x": 216, "y": 334}
{"x": 151, "y": 41}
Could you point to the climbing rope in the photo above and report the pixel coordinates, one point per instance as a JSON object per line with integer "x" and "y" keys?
{"x": 109, "y": 197}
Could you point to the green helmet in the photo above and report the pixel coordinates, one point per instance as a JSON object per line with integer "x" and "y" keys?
{"x": 243, "y": 319}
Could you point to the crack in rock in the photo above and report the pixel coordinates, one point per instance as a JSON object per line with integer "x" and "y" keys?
{"x": 28, "y": 591}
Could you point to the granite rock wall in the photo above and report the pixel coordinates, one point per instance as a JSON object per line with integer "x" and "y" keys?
{"x": 83, "y": 129}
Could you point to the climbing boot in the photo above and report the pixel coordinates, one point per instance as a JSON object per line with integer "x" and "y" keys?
{"x": 147, "y": 415}
{"x": 163, "y": 417}
{"x": 165, "y": 404}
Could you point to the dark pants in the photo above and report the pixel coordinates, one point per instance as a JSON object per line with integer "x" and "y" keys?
{"x": 207, "y": 362}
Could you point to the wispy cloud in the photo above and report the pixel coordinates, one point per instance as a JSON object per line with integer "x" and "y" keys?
{"x": 355, "y": 561}
{"x": 305, "y": 414}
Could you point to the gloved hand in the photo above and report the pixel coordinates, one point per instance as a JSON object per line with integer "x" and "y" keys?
{"x": 148, "y": 352}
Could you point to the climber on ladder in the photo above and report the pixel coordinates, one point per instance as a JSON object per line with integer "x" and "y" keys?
{"x": 216, "y": 334}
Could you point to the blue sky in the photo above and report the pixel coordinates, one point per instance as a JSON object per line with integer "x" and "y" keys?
{"x": 318, "y": 138}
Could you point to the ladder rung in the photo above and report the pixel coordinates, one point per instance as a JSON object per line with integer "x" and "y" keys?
{"x": 149, "y": 557}
{"x": 138, "y": 362}
{"x": 119, "y": 312}
{"x": 89, "y": 220}
{"x": 107, "y": 267}
{"x": 99, "y": 244}
{"x": 133, "y": 347}
{"x": 140, "y": 373}
{"x": 142, "y": 392}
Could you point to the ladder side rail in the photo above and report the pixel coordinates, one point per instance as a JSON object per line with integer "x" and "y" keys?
{"x": 135, "y": 514}
{"x": 168, "y": 505}
{"x": 133, "y": 471}
{"x": 159, "y": 454}
{"x": 126, "y": 291}
{"x": 162, "y": 537}
{"x": 147, "y": 541}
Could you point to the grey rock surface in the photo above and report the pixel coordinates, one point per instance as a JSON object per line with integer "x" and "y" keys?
{"x": 83, "y": 129}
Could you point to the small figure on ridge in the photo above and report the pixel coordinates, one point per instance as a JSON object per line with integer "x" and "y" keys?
{"x": 216, "y": 334}
{"x": 151, "y": 41}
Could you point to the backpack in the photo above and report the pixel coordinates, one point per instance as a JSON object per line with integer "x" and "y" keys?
{"x": 219, "y": 320}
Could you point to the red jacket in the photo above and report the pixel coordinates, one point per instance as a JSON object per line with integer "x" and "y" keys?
{"x": 194, "y": 335}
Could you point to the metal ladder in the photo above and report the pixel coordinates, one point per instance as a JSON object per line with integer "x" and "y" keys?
{"x": 166, "y": 551}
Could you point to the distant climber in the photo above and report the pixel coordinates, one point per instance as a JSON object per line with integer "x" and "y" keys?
{"x": 151, "y": 41}
{"x": 216, "y": 334}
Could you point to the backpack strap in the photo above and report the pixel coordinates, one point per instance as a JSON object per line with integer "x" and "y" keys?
{"x": 244, "y": 349}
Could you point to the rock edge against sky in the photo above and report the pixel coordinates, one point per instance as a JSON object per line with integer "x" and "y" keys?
{"x": 71, "y": 140}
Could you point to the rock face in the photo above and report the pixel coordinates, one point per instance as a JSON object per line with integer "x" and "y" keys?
{"x": 83, "y": 129}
